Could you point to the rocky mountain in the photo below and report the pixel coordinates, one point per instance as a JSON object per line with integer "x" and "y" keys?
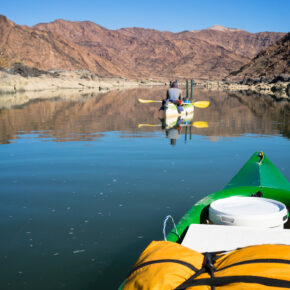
{"x": 131, "y": 52}
{"x": 272, "y": 62}
{"x": 45, "y": 50}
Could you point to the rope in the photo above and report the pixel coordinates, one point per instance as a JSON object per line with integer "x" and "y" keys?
{"x": 164, "y": 226}
{"x": 261, "y": 155}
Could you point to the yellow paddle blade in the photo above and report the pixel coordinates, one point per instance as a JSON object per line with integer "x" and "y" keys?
{"x": 201, "y": 104}
{"x": 148, "y": 125}
{"x": 200, "y": 124}
{"x": 148, "y": 101}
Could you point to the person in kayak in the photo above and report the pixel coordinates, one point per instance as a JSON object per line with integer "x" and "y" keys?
{"x": 173, "y": 95}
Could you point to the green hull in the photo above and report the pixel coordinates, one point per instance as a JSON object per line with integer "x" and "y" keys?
{"x": 256, "y": 175}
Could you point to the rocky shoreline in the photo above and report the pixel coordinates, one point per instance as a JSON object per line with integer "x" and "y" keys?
{"x": 21, "y": 78}
{"x": 278, "y": 87}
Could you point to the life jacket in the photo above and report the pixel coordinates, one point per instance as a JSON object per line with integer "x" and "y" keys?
{"x": 167, "y": 265}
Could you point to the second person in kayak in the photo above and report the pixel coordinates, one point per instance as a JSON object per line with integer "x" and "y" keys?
{"x": 173, "y": 95}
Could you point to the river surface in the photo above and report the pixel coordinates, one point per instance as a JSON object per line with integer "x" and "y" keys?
{"x": 83, "y": 190}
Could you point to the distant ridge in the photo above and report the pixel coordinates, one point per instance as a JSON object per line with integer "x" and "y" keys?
{"x": 221, "y": 28}
{"x": 134, "y": 53}
{"x": 225, "y": 29}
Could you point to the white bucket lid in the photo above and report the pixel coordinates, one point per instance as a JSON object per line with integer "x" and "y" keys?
{"x": 248, "y": 211}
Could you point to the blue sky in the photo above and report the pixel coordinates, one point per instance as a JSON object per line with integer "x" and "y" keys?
{"x": 175, "y": 16}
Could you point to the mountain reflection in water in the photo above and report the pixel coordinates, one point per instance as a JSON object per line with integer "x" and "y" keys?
{"x": 87, "y": 116}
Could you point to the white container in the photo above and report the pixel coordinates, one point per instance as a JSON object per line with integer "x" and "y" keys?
{"x": 248, "y": 211}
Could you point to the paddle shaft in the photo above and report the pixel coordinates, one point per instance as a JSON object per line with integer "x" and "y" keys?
{"x": 198, "y": 104}
{"x": 197, "y": 124}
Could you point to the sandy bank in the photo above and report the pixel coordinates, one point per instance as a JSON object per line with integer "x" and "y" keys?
{"x": 80, "y": 80}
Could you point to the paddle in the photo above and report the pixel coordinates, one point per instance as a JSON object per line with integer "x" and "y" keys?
{"x": 199, "y": 124}
{"x": 198, "y": 104}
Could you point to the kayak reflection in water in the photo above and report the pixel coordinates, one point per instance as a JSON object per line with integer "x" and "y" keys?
{"x": 173, "y": 127}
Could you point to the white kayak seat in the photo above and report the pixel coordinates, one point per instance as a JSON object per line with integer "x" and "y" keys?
{"x": 212, "y": 238}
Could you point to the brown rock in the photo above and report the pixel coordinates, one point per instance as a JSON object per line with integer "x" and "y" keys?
{"x": 271, "y": 65}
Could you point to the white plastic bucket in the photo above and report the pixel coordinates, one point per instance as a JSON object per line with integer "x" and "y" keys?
{"x": 248, "y": 211}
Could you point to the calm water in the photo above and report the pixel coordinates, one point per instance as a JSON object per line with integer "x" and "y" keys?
{"x": 83, "y": 190}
